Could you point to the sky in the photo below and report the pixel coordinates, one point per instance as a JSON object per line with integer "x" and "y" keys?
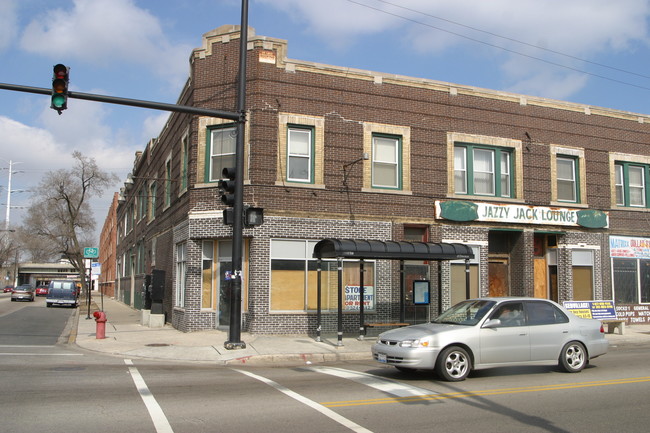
{"x": 592, "y": 52}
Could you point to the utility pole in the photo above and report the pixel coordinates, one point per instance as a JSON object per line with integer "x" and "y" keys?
{"x": 9, "y": 191}
{"x": 234, "y": 330}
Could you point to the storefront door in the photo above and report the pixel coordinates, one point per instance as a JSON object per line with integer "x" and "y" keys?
{"x": 498, "y": 272}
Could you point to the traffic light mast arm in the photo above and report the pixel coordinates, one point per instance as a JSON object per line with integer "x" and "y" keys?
{"x": 230, "y": 115}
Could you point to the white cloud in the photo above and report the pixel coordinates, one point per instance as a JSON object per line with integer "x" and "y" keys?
{"x": 153, "y": 125}
{"x": 35, "y": 148}
{"x": 107, "y": 32}
{"x": 8, "y": 23}
{"x": 578, "y": 28}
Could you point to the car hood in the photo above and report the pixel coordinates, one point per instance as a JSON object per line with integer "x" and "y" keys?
{"x": 419, "y": 331}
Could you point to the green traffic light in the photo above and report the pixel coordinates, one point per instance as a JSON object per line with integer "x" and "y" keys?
{"x": 58, "y": 101}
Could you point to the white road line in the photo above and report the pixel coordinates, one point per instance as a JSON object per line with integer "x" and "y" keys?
{"x": 304, "y": 400}
{"x": 39, "y": 354}
{"x": 2, "y": 346}
{"x": 382, "y": 384}
{"x": 155, "y": 411}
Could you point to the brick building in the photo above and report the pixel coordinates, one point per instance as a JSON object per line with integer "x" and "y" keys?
{"x": 538, "y": 188}
{"x": 108, "y": 249}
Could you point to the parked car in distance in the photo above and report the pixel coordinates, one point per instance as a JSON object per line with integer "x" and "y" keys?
{"x": 41, "y": 290}
{"x": 494, "y": 332}
{"x": 61, "y": 292}
{"x": 8, "y": 289}
{"x": 24, "y": 292}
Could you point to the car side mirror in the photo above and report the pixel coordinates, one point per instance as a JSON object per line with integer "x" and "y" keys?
{"x": 492, "y": 323}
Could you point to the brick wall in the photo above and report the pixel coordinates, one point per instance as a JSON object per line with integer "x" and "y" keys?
{"x": 349, "y": 100}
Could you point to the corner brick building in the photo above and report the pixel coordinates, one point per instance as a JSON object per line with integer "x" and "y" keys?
{"x": 551, "y": 196}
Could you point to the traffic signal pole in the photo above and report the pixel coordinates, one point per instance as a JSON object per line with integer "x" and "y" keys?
{"x": 131, "y": 102}
{"x": 234, "y": 330}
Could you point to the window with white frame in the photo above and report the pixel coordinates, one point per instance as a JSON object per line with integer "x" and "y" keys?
{"x": 300, "y": 149}
{"x": 181, "y": 273}
{"x": 567, "y": 179}
{"x": 221, "y": 151}
{"x": 386, "y": 160}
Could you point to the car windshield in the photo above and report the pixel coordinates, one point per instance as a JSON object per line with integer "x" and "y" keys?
{"x": 466, "y": 313}
{"x": 24, "y": 288}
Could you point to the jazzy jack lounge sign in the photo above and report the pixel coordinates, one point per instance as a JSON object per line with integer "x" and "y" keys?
{"x": 456, "y": 210}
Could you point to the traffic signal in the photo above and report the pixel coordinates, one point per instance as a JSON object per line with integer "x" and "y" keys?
{"x": 227, "y": 186}
{"x": 60, "y": 81}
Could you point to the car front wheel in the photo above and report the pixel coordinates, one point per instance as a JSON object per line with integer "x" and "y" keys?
{"x": 453, "y": 364}
{"x": 573, "y": 357}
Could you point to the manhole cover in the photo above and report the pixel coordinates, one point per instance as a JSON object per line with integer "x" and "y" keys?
{"x": 158, "y": 345}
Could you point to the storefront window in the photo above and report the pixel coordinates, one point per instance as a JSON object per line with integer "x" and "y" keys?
{"x": 583, "y": 275}
{"x": 294, "y": 279}
{"x": 458, "y": 290}
{"x": 206, "y": 274}
{"x": 631, "y": 267}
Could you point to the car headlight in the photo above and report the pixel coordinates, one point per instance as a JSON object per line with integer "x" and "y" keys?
{"x": 420, "y": 342}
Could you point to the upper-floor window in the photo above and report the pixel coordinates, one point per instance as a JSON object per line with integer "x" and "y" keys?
{"x": 568, "y": 175}
{"x": 153, "y": 191}
{"x": 300, "y": 150}
{"x": 386, "y": 161}
{"x": 184, "y": 162}
{"x": 220, "y": 151}
{"x": 568, "y": 182}
{"x": 168, "y": 182}
{"x": 483, "y": 170}
{"x": 142, "y": 203}
{"x": 630, "y": 184}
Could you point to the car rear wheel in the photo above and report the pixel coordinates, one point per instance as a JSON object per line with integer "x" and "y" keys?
{"x": 573, "y": 357}
{"x": 49, "y": 304}
{"x": 453, "y": 364}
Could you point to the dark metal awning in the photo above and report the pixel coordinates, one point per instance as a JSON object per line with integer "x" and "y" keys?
{"x": 390, "y": 250}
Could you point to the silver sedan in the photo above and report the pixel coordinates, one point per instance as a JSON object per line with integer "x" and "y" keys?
{"x": 494, "y": 332}
{"x": 23, "y": 292}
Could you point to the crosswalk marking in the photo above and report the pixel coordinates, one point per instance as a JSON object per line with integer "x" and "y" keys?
{"x": 160, "y": 422}
{"x": 304, "y": 400}
{"x": 388, "y": 386}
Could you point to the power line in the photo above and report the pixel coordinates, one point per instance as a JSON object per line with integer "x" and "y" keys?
{"x": 602, "y": 65}
{"x": 460, "y": 35}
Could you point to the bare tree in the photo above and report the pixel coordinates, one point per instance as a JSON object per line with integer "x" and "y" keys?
{"x": 35, "y": 248}
{"x": 8, "y": 254}
{"x": 60, "y": 213}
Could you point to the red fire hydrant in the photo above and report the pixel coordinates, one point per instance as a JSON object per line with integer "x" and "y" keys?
{"x": 100, "y": 320}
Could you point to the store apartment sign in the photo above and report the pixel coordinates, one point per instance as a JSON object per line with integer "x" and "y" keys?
{"x": 457, "y": 210}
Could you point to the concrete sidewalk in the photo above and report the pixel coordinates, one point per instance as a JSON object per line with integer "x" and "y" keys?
{"x": 126, "y": 337}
